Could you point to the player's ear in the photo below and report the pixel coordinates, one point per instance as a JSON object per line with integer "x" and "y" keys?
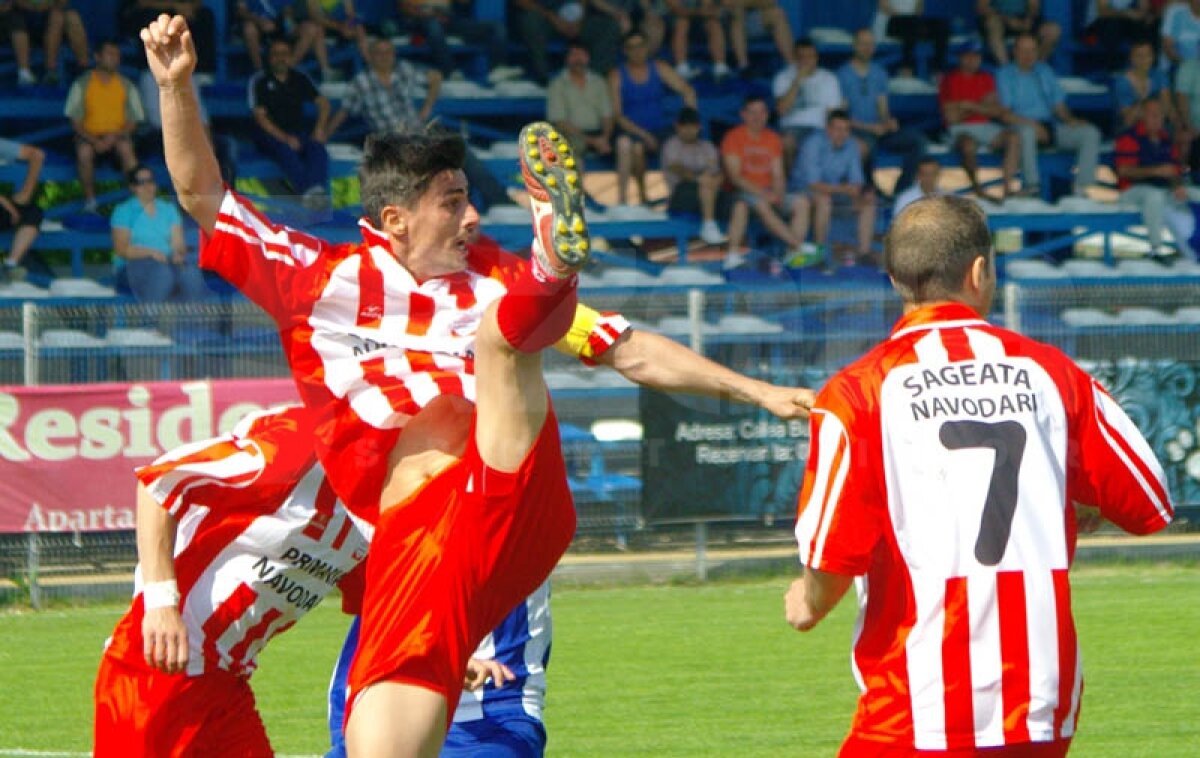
{"x": 394, "y": 219}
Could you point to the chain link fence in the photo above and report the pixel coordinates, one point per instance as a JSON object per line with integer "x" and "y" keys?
{"x": 1142, "y": 340}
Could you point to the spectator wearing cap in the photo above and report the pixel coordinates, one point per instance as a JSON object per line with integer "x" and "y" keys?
{"x": 1150, "y": 174}
{"x": 864, "y": 84}
{"x": 1037, "y": 107}
{"x": 974, "y": 116}
{"x": 692, "y": 169}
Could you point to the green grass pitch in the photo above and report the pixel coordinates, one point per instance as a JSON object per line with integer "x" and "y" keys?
{"x": 678, "y": 670}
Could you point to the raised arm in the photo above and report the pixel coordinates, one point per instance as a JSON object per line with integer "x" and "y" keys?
{"x": 660, "y": 363}
{"x": 171, "y": 55}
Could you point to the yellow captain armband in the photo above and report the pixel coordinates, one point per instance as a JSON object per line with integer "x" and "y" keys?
{"x": 577, "y": 341}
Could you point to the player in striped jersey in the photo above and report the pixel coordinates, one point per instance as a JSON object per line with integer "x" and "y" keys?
{"x": 949, "y": 470}
{"x": 238, "y": 537}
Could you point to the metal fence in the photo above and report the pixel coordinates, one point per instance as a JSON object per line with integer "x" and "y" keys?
{"x": 793, "y": 335}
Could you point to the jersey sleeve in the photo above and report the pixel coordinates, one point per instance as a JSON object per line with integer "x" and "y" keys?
{"x": 1113, "y": 468}
{"x": 270, "y": 449}
{"x": 261, "y": 258}
{"x": 592, "y": 334}
{"x": 840, "y": 512}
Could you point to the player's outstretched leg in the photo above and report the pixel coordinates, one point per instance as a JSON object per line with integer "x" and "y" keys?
{"x": 539, "y": 307}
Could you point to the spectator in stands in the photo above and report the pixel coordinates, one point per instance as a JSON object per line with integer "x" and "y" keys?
{"x": 638, "y": 89}
{"x": 864, "y": 84}
{"x": 1187, "y": 94}
{"x": 134, "y": 15}
{"x": 435, "y": 19}
{"x": 539, "y": 20}
{"x": 19, "y": 212}
{"x": 1181, "y": 32}
{"x": 1150, "y": 175}
{"x": 829, "y": 171}
{"x": 752, "y": 155}
{"x": 907, "y": 21}
{"x": 578, "y": 103}
{"x": 1114, "y": 23}
{"x": 929, "y": 174}
{"x": 756, "y": 18}
{"x": 263, "y": 20}
{"x": 1140, "y": 82}
{"x": 692, "y": 169}
{"x": 152, "y": 258}
{"x": 385, "y": 96}
{"x": 277, "y": 99}
{"x": 643, "y": 15}
{"x": 1037, "y": 107}
{"x": 805, "y": 94}
{"x": 12, "y": 28}
{"x": 1000, "y": 20}
{"x": 974, "y": 116}
{"x": 707, "y": 15}
{"x": 336, "y": 18}
{"x": 149, "y": 141}
{"x": 104, "y": 108}
{"x": 51, "y": 19}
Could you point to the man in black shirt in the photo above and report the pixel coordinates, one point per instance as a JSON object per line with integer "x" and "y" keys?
{"x": 277, "y": 98}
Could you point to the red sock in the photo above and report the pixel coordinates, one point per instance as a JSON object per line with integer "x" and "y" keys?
{"x": 537, "y": 310}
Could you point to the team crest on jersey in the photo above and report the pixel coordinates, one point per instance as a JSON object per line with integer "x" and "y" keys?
{"x": 370, "y": 312}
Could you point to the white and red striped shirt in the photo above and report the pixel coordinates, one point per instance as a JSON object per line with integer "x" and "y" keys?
{"x": 367, "y": 343}
{"x": 942, "y": 472}
{"x": 261, "y": 539}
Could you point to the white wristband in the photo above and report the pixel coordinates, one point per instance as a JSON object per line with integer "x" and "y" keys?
{"x": 160, "y": 595}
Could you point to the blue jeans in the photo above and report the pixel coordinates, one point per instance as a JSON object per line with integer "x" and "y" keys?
{"x": 152, "y": 281}
{"x": 304, "y": 168}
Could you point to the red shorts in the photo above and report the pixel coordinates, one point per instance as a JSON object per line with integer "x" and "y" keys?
{"x": 448, "y": 564}
{"x": 856, "y": 747}
{"x": 144, "y": 712}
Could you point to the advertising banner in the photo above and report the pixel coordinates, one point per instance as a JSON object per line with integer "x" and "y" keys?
{"x": 711, "y": 459}
{"x": 67, "y": 453}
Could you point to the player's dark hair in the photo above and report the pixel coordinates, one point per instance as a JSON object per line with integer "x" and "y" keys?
{"x": 932, "y": 245}
{"x": 398, "y": 168}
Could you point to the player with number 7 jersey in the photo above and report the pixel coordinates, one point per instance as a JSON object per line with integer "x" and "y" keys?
{"x": 944, "y": 472}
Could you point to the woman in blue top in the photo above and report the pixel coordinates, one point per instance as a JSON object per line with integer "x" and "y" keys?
{"x": 148, "y": 241}
{"x": 638, "y": 90}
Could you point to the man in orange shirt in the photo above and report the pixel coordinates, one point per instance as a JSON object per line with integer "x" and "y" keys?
{"x": 104, "y": 108}
{"x": 752, "y": 155}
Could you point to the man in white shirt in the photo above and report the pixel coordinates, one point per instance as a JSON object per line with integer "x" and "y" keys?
{"x": 804, "y": 94}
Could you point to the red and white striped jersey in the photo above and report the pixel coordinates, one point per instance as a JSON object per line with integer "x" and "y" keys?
{"x": 367, "y": 343}
{"x": 942, "y": 472}
{"x": 261, "y": 539}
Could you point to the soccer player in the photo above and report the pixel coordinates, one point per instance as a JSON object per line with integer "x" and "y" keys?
{"x": 472, "y": 511}
{"x": 950, "y": 470}
{"x": 238, "y": 537}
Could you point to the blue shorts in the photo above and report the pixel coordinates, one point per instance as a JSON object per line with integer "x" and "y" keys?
{"x": 516, "y": 735}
